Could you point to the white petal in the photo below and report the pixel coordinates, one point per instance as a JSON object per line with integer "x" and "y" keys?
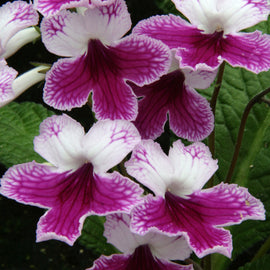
{"x": 60, "y": 141}
{"x": 193, "y": 167}
{"x": 150, "y": 166}
{"x": 108, "y": 142}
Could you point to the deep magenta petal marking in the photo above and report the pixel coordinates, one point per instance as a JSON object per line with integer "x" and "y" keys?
{"x": 141, "y": 259}
{"x": 190, "y": 114}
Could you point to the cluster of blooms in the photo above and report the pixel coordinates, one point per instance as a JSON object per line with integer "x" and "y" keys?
{"x": 136, "y": 80}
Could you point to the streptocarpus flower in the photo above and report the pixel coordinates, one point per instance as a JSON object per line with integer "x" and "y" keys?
{"x": 213, "y": 35}
{"x": 100, "y": 61}
{"x": 11, "y": 87}
{"x": 51, "y": 7}
{"x": 180, "y": 207}
{"x": 189, "y": 113}
{"x": 149, "y": 252}
{"x": 75, "y": 184}
{"x": 15, "y": 17}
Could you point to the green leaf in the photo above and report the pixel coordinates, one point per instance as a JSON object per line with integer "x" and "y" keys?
{"x": 92, "y": 236}
{"x": 167, "y": 6}
{"x": 260, "y": 264}
{"x": 19, "y": 124}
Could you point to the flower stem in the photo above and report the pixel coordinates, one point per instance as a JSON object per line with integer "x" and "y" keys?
{"x": 213, "y": 102}
{"x": 263, "y": 250}
{"x": 252, "y": 102}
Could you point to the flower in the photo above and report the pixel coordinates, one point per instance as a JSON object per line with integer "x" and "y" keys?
{"x": 189, "y": 113}
{"x": 51, "y": 7}
{"x": 179, "y": 206}
{"x": 11, "y": 87}
{"x": 213, "y": 35}
{"x": 100, "y": 61}
{"x": 14, "y": 19}
{"x": 75, "y": 183}
{"x": 151, "y": 251}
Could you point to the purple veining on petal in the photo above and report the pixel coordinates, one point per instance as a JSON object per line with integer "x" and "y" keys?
{"x": 60, "y": 142}
{"x": 189, "y": 113}
{"x": 67, "y": 84}
{"x": 141, "y": 259}
{"x": 13, "y": 18}
{"x": 7, "y": 76}
{"x": 51, "y": 7}
{"x": 71, "y": 196}
{"x": 197, "y": 216}
{"x": 117, "y": 231}
{"x": 142, "y": 59}
{"x": 108, "y": 142}
{"x": 249, "y": 50}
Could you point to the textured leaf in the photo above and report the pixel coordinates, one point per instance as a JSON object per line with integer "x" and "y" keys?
{"x": 19, "y": 124}
{"x": 92, "y": 236}
{"x": 260, "y": 264}
{"x": 167, "y": 6}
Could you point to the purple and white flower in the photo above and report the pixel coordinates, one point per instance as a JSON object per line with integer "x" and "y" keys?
{"x": 75, "y": 183}
{"x": 213, "y": 35}
{"x": 15, "y": 18}
{"x": 190, "y": 115}
{"x": 51, "y": 7}
{"x": 11, "y": 87}
{"x": 179, "y": 206}
{"x": 151, "y": 251}
{"x": 100, "y": 60}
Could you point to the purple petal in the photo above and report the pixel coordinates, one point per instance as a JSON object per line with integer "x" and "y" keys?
{"x": 13, "y": 18}
{"x": 230, "y": 15}
{"x": 117, "y": 232}
{"x": 107, "y": 23}
{"x": 141, "y": 259}
{"x": 248, "y": 50}
{"x": 108, "y": 142}
{"x": 142, "y": 59}
{"x": 195, "y": 49}
{"x": 7, "y": 76}
{"x": 68, "y": 84}
{"x": 197, "y": 216}
{"x": 51, "y": 7}
{"x": 71, "y": 196}
{"x": 190, "y": 114}
{"x": 60, "y": 142}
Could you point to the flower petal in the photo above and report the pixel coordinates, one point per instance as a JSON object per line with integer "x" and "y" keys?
{"x": 200, "y": 79}
{"x": 114, "y": 193}
{"x": 190, "y": 114}
{"x": 61, "y": 36}
{"x": 142, "y": 59}
{"x": 197, "y": 216}
{"x": 150, "y": 166}
{"x": 60, "y": 142}
{"x": 248, "y": 50}
{"x": 68, "y": 84}
{"x": 49, "y": 8}
{"x": 7, "y": 76}
{"x": 117, "y": 232}
{"x": 231, "y": 15}
{"x": 142, "y": 259}
{"x": 193, "y": 167}
{"x": 13, "y": 18}
{"x": 108, "y": 142}
{"x": 71, "y": 196}
{"x": 194, "y": 49}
